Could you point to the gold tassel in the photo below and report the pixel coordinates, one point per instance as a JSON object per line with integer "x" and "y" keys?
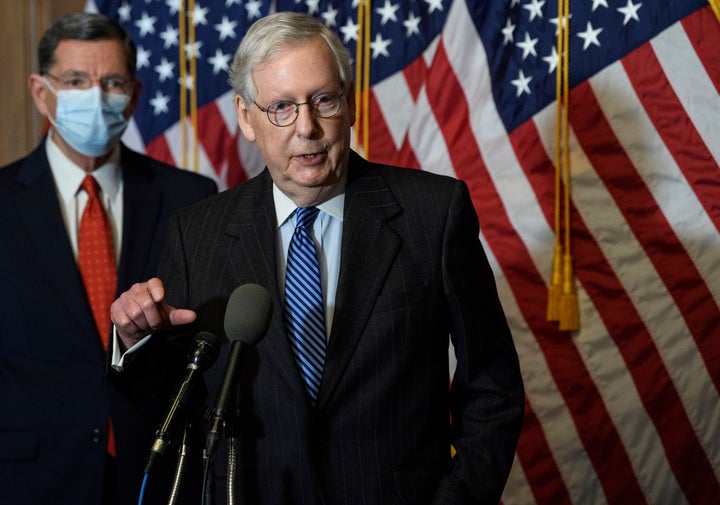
{"x": 555, "y": 289}
{"x": 569, "y": 311}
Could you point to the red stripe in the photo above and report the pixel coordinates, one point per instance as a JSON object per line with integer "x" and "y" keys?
{"x": 214, "y": 136}
{"x": 159, "y": 149}
{"x": 645, "y": 218}
{"x": 597, "y": 433}
{"x": 649, "y": 225}
{"x": 675, "y": 127}
{"x": 536, "y": 458}
{"x": 703, "y": 31}
{"x": 382, "y": 148}
{"x": 416, "y": 74}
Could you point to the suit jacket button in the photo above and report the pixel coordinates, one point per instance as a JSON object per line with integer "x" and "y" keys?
{"x": 97, "y": 435}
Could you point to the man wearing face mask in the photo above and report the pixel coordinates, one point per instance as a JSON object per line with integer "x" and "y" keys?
{"x": 81, "y": 218}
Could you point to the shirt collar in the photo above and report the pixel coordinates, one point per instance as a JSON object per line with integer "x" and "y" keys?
{"x": 68, "y": 176}
{"x": 284, "y": 206}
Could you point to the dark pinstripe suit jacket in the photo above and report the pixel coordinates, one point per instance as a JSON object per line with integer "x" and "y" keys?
{"x": 412, "y": 273}
{"x": 54, "y": 397}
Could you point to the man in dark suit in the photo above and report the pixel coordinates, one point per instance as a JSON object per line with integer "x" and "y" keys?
{"x": 401, "y": 271}
{"x": 56, "y": 446}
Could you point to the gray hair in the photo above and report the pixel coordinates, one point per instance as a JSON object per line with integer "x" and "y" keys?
{"x": 269, "y": 36}
{"x": 84, "y": 26}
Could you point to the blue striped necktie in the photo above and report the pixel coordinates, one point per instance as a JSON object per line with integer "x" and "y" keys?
{"x": 304, "y": 308}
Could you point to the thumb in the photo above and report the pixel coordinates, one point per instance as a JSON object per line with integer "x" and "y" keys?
{"x": 178, "y": 317}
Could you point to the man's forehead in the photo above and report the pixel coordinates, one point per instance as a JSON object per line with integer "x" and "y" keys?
{"x": 90, "y": 56}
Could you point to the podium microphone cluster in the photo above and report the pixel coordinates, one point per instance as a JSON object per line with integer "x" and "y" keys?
{"x": 207, "y": 347}
{"x": 247, "y": 318}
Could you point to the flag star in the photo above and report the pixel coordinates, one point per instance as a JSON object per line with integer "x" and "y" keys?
{"x": 598, "y": 3}
{"x": 508, "y": 32}
{"x": 534, "y": 8}
{"x": 199, "y": 15}
{"x": 313, "y": 6}
{"x": 228, "y": 3}
{"x": 349, "y": 31}
{"x": 165, "y": 69}
{"x": 513, "y": 3}
{"x": 412, "y": 24}
{"x": 521, "y": 84}
{"x": 187, "y": 82}
{"x": 193, "y": 50}
{"x": 387, "y": 12}
{"x": 160, "y": 103}
{"x": 253, "y": 9}
{"x": 142, "y": 57}
{"x": 355, "y": 4}
{"x": 590, "y": 36}
{"x": 226, "y": 28}
{"x": 630, "y": 11}
{"x": 330, "y": 16}
{"x": 170, "y": 36}
{"x": 379, "y": 46}
{"x": 146, "y": 24}
{"x": 557, "y": 24}
{"x": 220, "y": 61}
{"x": 552, "y": 60}
{"x": 124, "y": 12}
{"x": 528, "y": 46}
{"x": 174, "y": 5}
{"x": 434, "y": 5}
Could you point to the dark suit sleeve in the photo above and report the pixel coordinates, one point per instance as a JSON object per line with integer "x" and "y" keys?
{"x": 487, "y": 398}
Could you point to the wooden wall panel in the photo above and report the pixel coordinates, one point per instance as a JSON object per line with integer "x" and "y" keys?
{"x": 22, "y": 23}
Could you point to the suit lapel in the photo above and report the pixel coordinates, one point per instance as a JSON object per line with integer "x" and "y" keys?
{"x": 40, "y": 212}
{"x": 141, "y": 211}
{"x": 369, "y": 204}
{"x": 252, "y": 256}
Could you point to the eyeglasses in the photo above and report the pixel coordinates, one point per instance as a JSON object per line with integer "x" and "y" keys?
{"x": 80, "y": 80}
{"x": 285, "y": 112}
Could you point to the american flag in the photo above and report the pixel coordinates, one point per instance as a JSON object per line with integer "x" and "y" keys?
{"x": 626, "y": 409}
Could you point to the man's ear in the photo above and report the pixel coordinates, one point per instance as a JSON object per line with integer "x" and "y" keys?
{"x": 40, "y": 94}
{"x": 351, "y": 103}
{"x": 243, "y": 117}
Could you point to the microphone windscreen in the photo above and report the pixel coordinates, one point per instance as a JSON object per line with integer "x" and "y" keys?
{"x": 247, "y": 315}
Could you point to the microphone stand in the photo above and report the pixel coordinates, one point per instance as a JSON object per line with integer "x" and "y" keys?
{"x": 180, "y": 468}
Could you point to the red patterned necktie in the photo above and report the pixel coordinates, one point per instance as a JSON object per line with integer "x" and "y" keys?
{"x": 96, "y": 258}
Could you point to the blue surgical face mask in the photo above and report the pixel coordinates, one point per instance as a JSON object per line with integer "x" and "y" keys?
{"x": 90, "y": 120}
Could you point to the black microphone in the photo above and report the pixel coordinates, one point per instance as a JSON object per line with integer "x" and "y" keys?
{"x": 206, "y": 352}
{"x": 247, "y": 318}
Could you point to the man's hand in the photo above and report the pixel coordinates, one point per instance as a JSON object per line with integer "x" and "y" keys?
{"x": 142, "y": 310}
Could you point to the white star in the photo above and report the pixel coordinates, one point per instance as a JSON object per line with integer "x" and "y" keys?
{"x": 387, "y": 12}
{"x": 228, "y": 3}
{"x": 199, "y": 15}
{"x": 513, "y": 3}
{"x": 313, "y": 6}
{"x": 630, "y": 11}
{"x": 379, "y": 46}
{"x": 226, "y": 28}
{"x": 412, "y": 24}
{"x": 143, "y": 57}
{"x": 330, "y": 16}
{"x": 253, "y": 9}
{"x": 146, "y": 24}
{"x": 521, "y": 83}
{"x": 160, "y": 103}
{"x": 528, "y": 46}
{"x": 349, "y": 31}
{"x": 165, "y": 69}
{"x": 534, "y": 8}
{"x": 173, "y": 5}
{"x": 552, "y": 60}
{"x": 597, "y": 3}
{"x": 170, "y": 36}
{"x": 557, "y": 24}
{"x": 219, "y": 61}
{"x": 188, "y": 83}
{"x": 435, "y": 5}
{"x": 193, "y": 50}
{"x": 590, "y": 36}
{"x": 508, "y": 32}
{"x": 124, "y": 12}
